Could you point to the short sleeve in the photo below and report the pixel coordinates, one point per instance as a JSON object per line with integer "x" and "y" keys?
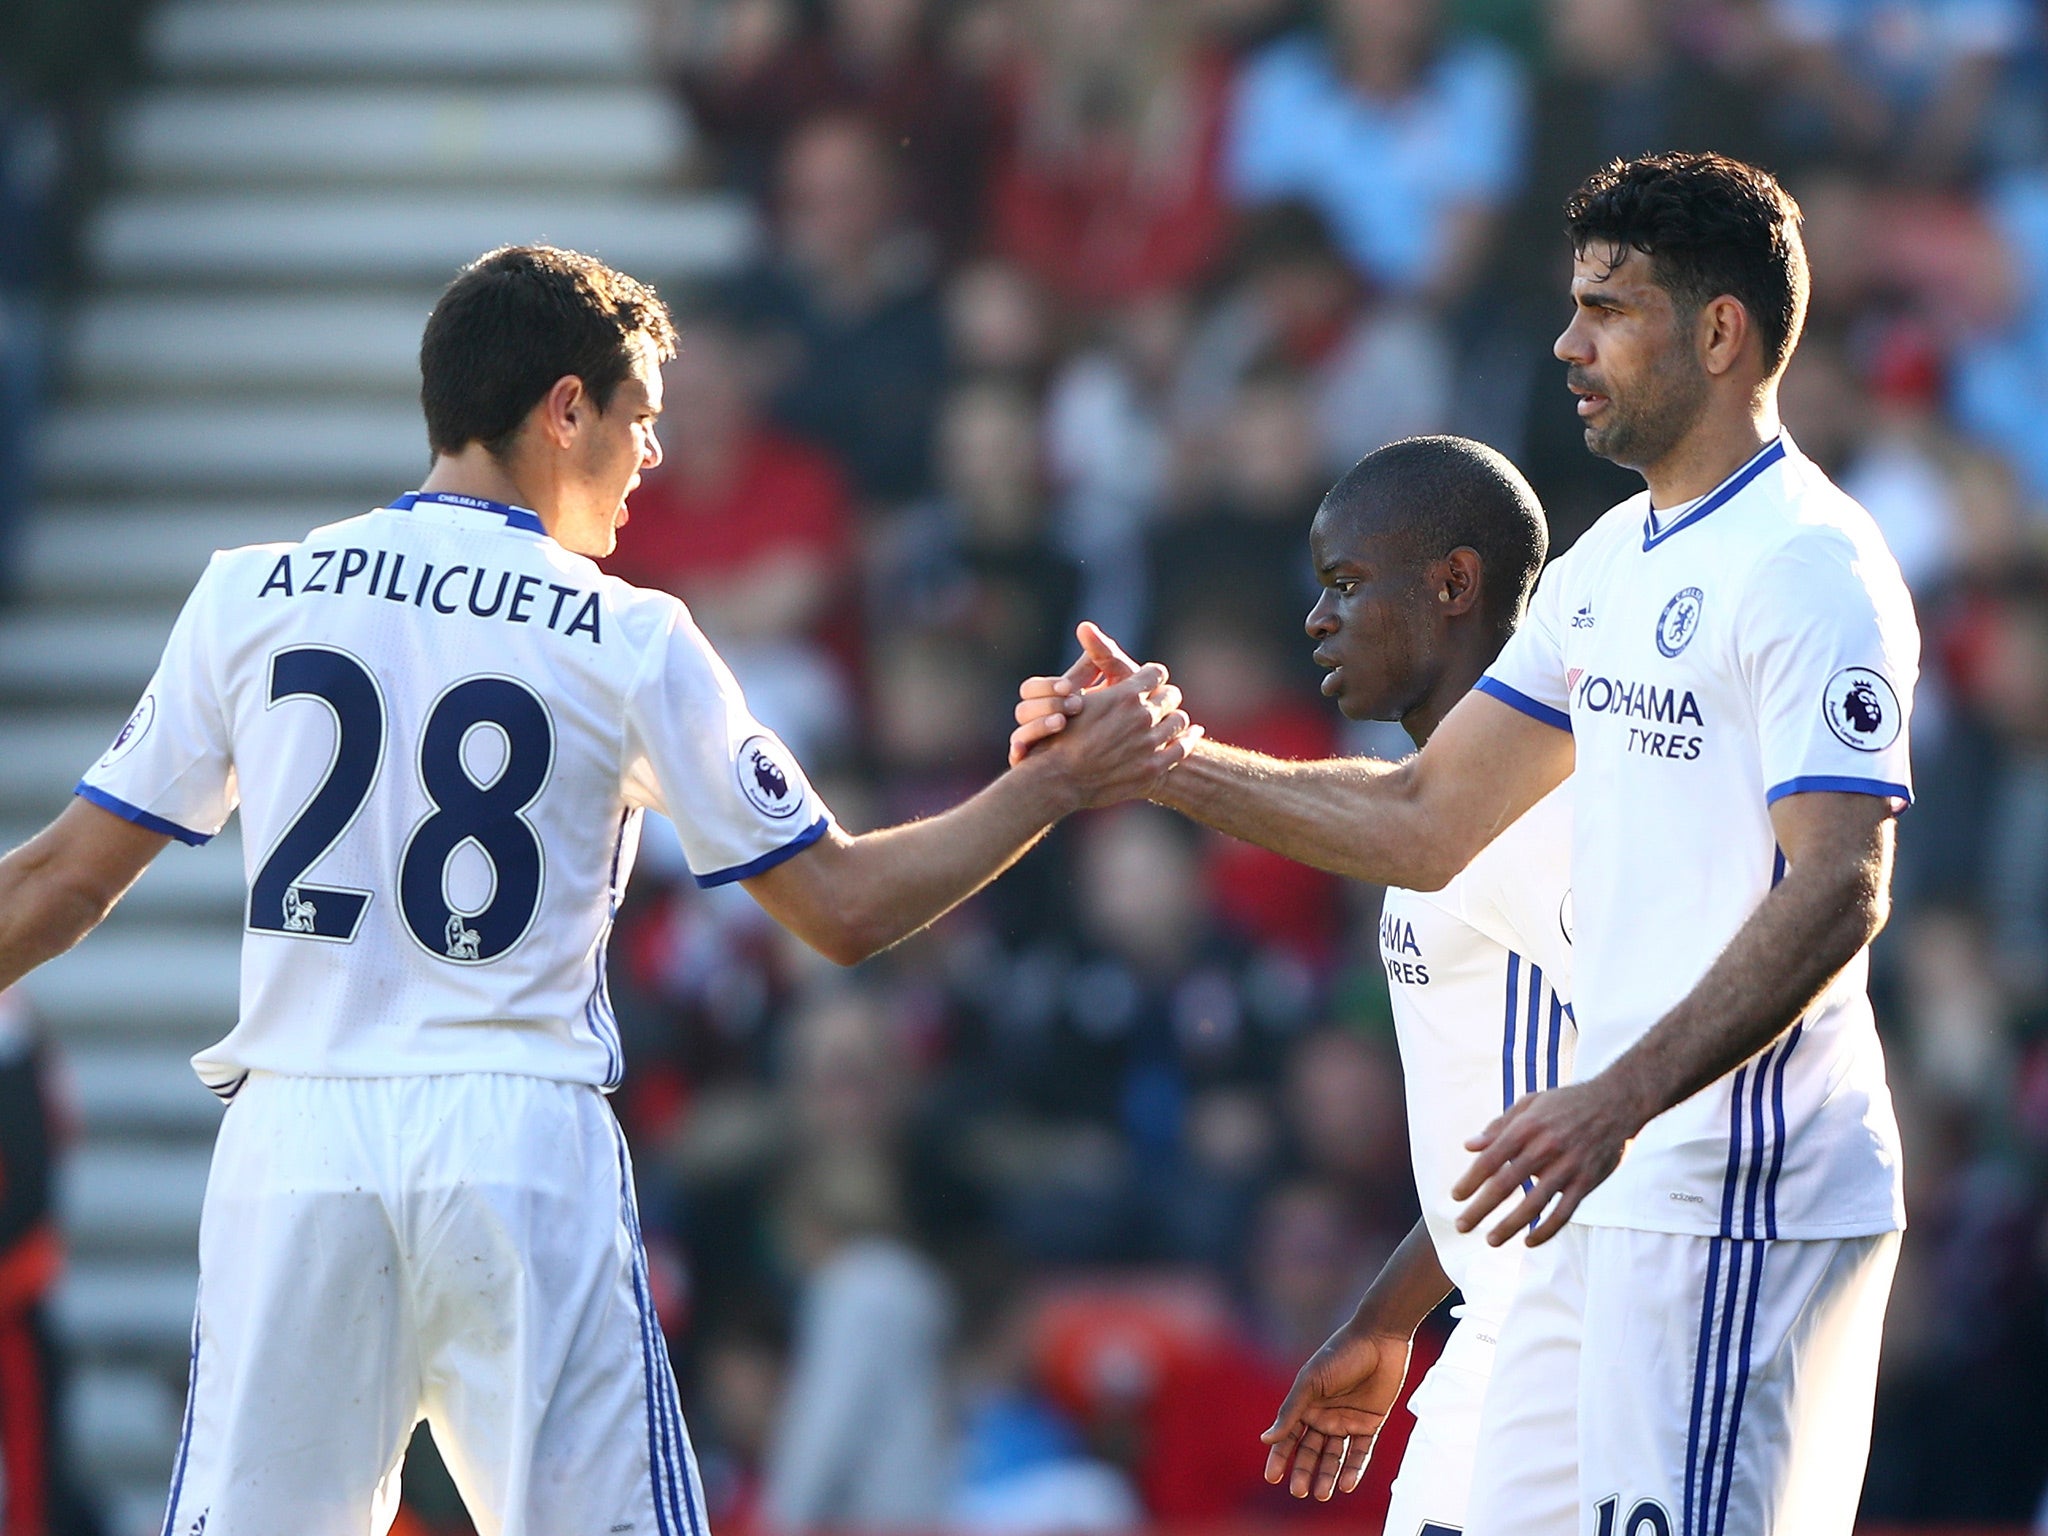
{"x": 1529, "y": 674}
{"x": 171, "y": 768}
{"x": 739, "y": 801}
{"x": 1830, "y": 651}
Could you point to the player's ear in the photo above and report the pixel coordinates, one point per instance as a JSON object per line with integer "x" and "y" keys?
{"x": 1458, "y": 581}
{"x": 1723, "y": 328}
{"x": 562, "y": 409}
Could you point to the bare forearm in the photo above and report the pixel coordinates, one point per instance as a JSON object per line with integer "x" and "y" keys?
{"x": 1781, "y": 960}
{"x": 858, "y": 895}
{"x": 43, "y": 912}
{"x": 1409, "y": 1286}
{"x": 1351, "y": 816}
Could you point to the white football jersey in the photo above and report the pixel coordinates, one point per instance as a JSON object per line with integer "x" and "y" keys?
{"x": 1480, "y": 974}
{"x": 1710, "y": 660}
{"x": 441, "y": 728}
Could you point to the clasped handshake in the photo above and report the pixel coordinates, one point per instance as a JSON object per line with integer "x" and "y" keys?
{"x": 1119, "y": 726}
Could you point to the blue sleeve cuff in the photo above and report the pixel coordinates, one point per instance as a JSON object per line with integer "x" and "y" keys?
{"x": 1535, "y": 709}
{"x": 769, "y": 860}
{"x": 139, "y": 816}
{"x": 1842, "y": 785}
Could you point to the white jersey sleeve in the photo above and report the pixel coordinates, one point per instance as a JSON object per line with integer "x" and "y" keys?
{"x": 740, "y": 802}
{"x": 1830, "y": 650}
{"x": 1529, "y": 673}
{"x": 170, "y": 768}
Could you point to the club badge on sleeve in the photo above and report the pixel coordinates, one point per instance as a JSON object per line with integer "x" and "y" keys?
{"x": 1862, "y": 710}
{"x": 767, "y": 778}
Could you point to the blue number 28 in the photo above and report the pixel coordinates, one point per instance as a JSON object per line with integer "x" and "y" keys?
{"x": 466, "y": 811}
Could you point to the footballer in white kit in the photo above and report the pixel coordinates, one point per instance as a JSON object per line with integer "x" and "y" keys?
{"x": 442, "y": 724}
{"x": 1426, "y": 550}
{"x": 1724, "y": 668}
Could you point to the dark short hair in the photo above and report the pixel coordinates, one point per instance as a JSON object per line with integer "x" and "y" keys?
{"x": 513, "y": 322}
{"x": 1443, "y": 493}
{"x": 1710, "y": 225}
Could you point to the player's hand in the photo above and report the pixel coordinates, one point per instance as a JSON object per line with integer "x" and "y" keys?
{"x": 1124, "y": 739}
{"x": 1560, "y": 1143}
{"x": 1045, "y": 704}
{"x": 1323, "y": 1435}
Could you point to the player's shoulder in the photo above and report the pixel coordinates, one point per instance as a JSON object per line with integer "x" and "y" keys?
{"x": 1806, "y": 534}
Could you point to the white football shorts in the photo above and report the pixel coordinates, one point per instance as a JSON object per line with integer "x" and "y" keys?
{"x": 1432, "y": 1487}
{"x": 1658, "y": 1384}
{"x": 463, "y": 1249}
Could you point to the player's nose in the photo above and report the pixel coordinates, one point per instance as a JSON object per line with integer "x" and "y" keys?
{"x": 1571, "y": 345}
{"x": 1321, "y": 622}
{"x": 650, "y": 453}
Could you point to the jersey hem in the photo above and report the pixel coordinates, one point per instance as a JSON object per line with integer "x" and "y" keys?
{"x": 1800, "y": 1232}
{"x": 148, "y": 821}
{"x": 769, "y": 860}
{"x": 1839, "y": 783}
{"x": 1535, "y": 709}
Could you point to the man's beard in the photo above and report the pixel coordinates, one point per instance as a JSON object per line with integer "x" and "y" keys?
{"x": 1657, "y": 416}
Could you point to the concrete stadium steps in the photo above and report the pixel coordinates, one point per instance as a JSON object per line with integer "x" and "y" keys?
{"x": 103, "y": 551}
{"x": 119, "y": 1305}
{"x": 294, "y": 446}
{"x": 292, "y": 136}
{"x": 41, "y": 764}
{"x": 418, "y": 236}
{"x": 142, "y": 342}
{"x": 126, "y": 1196}
{"x": 139, "y": 982}
{"x": 433, "y": 40}
{"x": 136, "y": 1090}
{"x": 290, "y": 188}
{"x": 68, "y": 655}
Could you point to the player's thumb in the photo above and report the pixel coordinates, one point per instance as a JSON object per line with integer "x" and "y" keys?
{"x": 1108, "y": 657}
{"x": 1286, "y": 1423}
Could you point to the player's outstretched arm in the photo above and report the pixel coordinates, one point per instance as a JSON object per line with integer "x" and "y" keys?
{"x": 55, "y": 888}
{"x": 1415, "y": 823}
{"x": 1323, "y": 1436}
{"x": 849, "y": 897}
{"x": 1833, "y": 900}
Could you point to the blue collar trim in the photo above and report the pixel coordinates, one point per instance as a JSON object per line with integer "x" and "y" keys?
{"x": 515, "y": 517}
{"x": 1716, "y": 499}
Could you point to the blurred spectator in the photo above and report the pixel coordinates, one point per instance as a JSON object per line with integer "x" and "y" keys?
{"x": 1377, "y": 371}
{"x": 1342, "y": 1097}
{"x": 753, "y": 70}
{"x": 2001, "y": 384}
{"x": 1408, "y": 140}
{"x": 1107, "y": 185}
{"x": 1112, "y": 452}
{"x": 846, "y": 311}
{"x": 1904, "y": 84}
{"x": 1250, "y": 688}
{"x": 1025, "y": 1466}
{"x": 1306, "y": 1267}
{"x": 999, "y": 323}
{"x": 753, "y": 529}
{"x": 861, "y": 1443}
{"x": 36, "y": 1498}
{"x": 978, "y": 559}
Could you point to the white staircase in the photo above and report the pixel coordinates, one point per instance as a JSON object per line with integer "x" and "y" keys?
{"x": 291, "y": 187}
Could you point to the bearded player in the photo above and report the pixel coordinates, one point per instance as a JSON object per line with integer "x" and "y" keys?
{"x": 1726, "y": 664}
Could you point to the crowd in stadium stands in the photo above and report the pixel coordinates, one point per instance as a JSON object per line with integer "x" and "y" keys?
{"x": 1073, "y": 307}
